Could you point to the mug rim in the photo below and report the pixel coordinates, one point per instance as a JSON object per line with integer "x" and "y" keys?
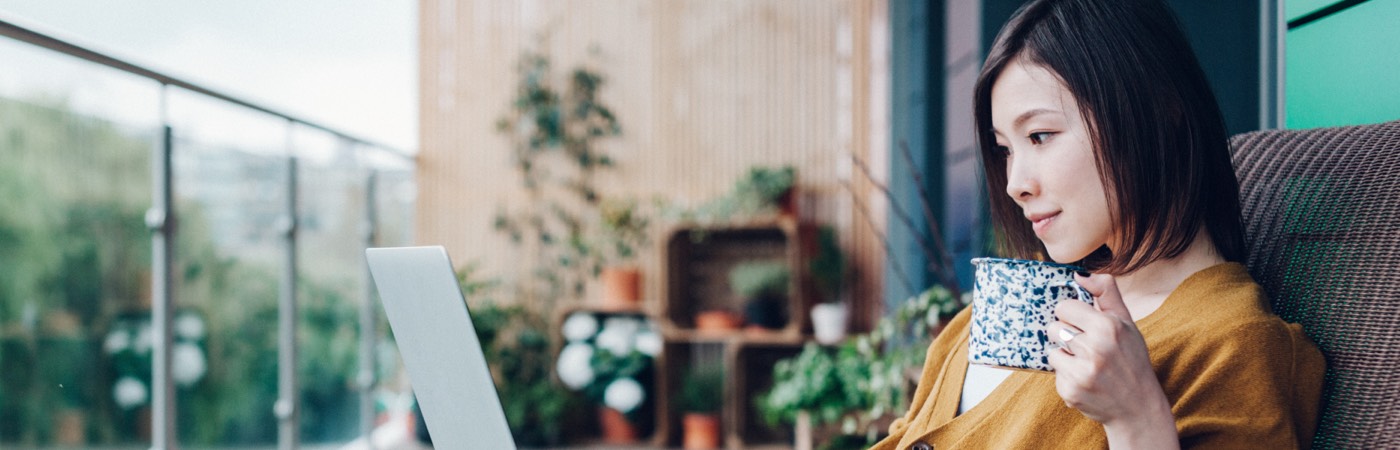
{"x": 981, "y": 260}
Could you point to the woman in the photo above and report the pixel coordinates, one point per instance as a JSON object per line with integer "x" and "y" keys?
{"x": 1097, "y": 122}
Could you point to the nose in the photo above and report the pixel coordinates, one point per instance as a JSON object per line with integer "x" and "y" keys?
{"x": 1021, "y": 183}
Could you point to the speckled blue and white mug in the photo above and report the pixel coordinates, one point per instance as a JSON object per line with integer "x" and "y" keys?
{"x": 1013, "y": 301}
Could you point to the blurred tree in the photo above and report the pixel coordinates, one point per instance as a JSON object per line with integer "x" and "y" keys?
{"x": 75, "y": 255}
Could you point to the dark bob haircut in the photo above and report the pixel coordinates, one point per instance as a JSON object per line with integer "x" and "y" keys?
{"x": 1158, "y": 136}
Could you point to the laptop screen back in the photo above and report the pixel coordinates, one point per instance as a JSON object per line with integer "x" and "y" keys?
{"x": 439, "y": 347}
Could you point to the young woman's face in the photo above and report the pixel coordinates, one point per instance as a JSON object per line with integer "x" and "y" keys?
{"x": 1050, "y": 167}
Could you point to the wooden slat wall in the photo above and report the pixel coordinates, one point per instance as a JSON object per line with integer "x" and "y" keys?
{"x": 704, "y": 89}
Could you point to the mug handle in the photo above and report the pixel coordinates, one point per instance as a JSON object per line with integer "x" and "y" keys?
{"x": 1079, "y": 291}
{"x": 1083, "y": 295}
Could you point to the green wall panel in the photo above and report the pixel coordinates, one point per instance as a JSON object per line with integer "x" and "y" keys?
{"x": 1345, "y": 68}
{"x": 1293, "y": 9}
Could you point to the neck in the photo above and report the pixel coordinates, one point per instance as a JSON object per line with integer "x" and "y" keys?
{"x": 1145, "y": 289}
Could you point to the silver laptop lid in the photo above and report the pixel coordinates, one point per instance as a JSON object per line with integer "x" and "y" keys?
{"x": 439, "y": 347}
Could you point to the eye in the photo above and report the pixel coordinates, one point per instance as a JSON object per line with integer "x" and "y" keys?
{"x": 1039, "y": 137}
{"x": 1002, "y": 151}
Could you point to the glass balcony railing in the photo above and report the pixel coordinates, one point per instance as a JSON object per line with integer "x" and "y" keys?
{"x": 268, "y": 218}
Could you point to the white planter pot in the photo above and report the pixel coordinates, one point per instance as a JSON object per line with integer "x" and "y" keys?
{"x": 829, "y": 322}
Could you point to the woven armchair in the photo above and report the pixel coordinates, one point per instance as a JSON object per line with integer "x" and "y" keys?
{"x": 1321, "y": 213}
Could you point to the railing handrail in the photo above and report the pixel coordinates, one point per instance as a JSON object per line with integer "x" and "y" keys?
{"x": 29, "y": 33}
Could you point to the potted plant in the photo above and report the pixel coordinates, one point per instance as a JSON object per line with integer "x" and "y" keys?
{"x": 610, "y": 362}
{"x": 622, "y": 233}
{"x": 767, "y": 188}
{"x": 828, "y": 269}
{"x": 941, "y": 305}
{"x": 515, "y": 341}
{"x": 862, "y": 382}
{"x": 763, "y": 285}
{"x": 556, "y": 138}
{"x": 761, "y": 190}
{"x": 700, "y": 399}
{"x": 818, "y": 387}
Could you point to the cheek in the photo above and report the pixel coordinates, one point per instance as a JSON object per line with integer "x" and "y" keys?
{"x": 1093, "y": 216}
{"x": 1098, "y": 213}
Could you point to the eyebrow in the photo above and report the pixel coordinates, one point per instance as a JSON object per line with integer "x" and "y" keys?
{"x": 1021, "y": 119}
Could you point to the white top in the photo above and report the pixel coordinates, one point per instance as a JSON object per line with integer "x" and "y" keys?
{"x": 979, "y": 383}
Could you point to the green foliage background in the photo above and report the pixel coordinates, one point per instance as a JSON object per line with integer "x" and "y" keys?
{"x": 518, "y": 351}
{"x": 74, "y": 253}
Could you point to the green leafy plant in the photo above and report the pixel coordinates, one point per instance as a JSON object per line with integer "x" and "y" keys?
{"x": 764, "y": 187}
{"x": 759, "y": 279}
{"x": 759, "y": 191}
{"x": 518, "y": 353}
{"x": 560, "y": 130}
{"x": 764, "y": 287}
{"x": 702, "y": 390}
{"x": 819, "y": 381}
{"x": 865, "y": 378}
{"x": 623, "y": 232}
{"x": 609, "y": 367}
{"x": 610, "y": 360}
{"x": 828, "y": 266}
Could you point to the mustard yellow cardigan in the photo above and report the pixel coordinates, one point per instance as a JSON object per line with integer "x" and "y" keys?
{"x": 1236, "y": 375}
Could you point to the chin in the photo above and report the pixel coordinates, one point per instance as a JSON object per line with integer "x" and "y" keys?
{"x": 1067, "y": 254}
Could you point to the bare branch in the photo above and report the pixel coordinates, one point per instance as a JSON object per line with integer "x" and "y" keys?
{"x": 880, "y": 235}
{"x": 947, "y": 260}
{"x": 937, "y": 265}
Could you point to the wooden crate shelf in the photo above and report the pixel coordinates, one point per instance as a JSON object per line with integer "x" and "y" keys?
{"x": 694, "y": 279}
{"x": 752, "y": 375}
{"x": 747, "y": 363}
{"x": 702, "y": 336}
{"x": 698, "y": 260}
{"x": 677, "y": 359}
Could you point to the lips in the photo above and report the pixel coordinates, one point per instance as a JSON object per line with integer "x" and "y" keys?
{"x": 1041, "y": 221}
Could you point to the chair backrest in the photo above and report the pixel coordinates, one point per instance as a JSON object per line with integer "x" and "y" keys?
{"x": 1321, "y": 213}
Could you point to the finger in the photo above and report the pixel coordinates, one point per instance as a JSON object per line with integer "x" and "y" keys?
{"x": 1084, "y": 317}
{"x": 1066, "y": 335}
{"x": 1060, "y": 334}
{"x": 1060, "y": 359}
{"x": 1106, "y": 295}
{"x": 1079, "y": 315}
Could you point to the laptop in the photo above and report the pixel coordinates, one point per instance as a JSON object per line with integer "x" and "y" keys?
{"x": 439, "y": 347}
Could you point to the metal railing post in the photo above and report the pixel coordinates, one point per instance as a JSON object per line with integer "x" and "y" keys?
{"x": 160, "y": 219}
{"x": 287, "y": 408}
{"x": 1273, "y": 29}
{"x": 368, "y": 320}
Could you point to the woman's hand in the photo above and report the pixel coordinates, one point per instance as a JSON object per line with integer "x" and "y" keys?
{"x": 1104, "y": 371}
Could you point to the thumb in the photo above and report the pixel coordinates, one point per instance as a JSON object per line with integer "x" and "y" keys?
{"x": 1106, "y": 296}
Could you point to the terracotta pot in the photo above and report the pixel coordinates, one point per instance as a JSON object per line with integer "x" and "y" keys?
{"x": 718, "y": 320}
{"x": 701, "y": 430}
{"x": 616, "y": 428}
{"x": 787, "y": 203}
{"x": 622, "y": 286}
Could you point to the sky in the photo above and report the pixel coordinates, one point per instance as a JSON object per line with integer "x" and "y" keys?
{"x": 346, "y": 64}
